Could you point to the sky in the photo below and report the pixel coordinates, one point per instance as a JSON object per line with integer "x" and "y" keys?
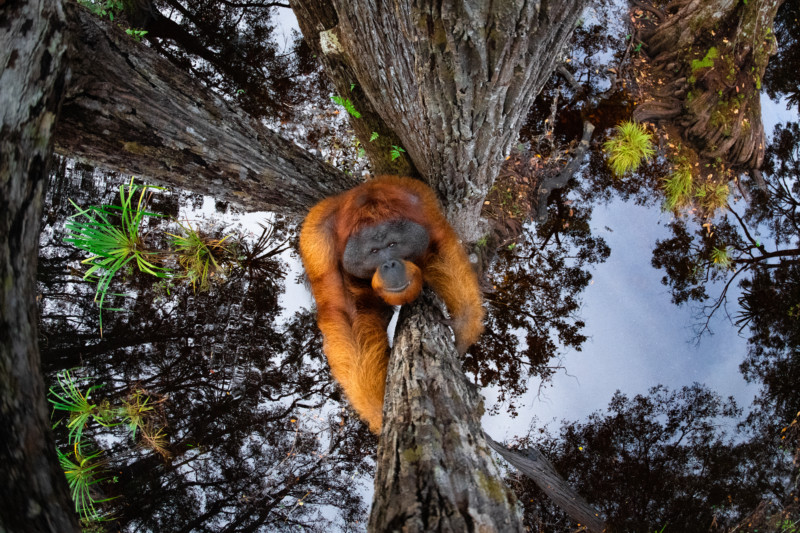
{"x": 637, "y": 337}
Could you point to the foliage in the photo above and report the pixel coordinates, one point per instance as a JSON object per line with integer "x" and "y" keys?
{"x": 713, "y": 196}
{"x": 348, "y": 106}
{"x": 134, "y": 409}
{"x": 678, "y": 186}
{"x": 137, "y": 34}
{"x": 396, "y": 152}
{"x": 707, "y": 61}
{"x": 780, "y": 77}
{"x": 68, "y": 397}
{"x": 628, "y": 148}
{"x": 768, "y": 308}
{"x": 112, "y": 236}
{"x": 651, "y": 460}
{"x": 537, "y": 285}
{"x": 721, "y": 257}
{"x": 83, "y": 472}
{"x": 198, "y": 255}
{"x": 102, "y": 8}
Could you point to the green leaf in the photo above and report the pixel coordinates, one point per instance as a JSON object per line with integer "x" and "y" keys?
{"x": 347, "y": 104}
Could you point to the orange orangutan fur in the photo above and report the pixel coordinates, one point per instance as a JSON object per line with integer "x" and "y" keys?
{"x": 351, "y": 313}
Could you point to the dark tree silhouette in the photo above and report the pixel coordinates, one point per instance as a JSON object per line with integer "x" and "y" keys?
{"x": 660, "y": 460}
{"x": 455, "y": 112}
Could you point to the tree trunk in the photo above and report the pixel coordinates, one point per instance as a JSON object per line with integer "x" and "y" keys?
{"x": 435, "y": 469}
{"x": 130, "y": 110}
{"x": 454, "y": 81}
{"x": 34, "y": 494}
{"x": 314, "y": 17}
{"x": 713, "y": 55}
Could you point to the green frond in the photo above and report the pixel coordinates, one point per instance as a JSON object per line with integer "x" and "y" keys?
{"x": 721, "y": 258}
{"x": 628, "y": 148}
{"x": 678, "y": 186}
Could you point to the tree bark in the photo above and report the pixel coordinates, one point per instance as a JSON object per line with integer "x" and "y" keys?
{"x": 435, "y": 469}
{"x": 454, "y": 81}
{"x": 314, "y": 17}
{"x": 532, "y": 463}
{"x": 130, "y": 110}
{"x": 713, "y": 55}
{"x": 34, "y": 494}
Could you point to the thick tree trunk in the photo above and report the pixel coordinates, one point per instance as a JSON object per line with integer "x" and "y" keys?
{"x": 313, "y": 17}
{"x": 454, "y": 84}
{"x": 454, "y": 81}
{"x": 713, "y": 55}
{"x": 130, "y": 110}
{"x": 435, "y": 469}
{"x": 34, "y": 493}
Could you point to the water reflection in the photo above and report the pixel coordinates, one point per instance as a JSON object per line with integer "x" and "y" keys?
{"x": 252, "y": 436}
{"x": 256, "y": 435}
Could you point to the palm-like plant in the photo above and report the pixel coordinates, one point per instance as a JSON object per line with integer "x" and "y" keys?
{"x": 630, "y": 145}
{"x": 713, "y": 196}
{"x": 198, "y": 255}
{"x": 82, "y": 474}
{"x": 112, "y": 245}
{"x": 721, "y": 258}
{"x": 678, "y": 186}
{"x": 68, "y": 397}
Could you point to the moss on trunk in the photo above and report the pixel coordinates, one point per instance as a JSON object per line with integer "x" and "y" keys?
{"x": 712, "y": 56}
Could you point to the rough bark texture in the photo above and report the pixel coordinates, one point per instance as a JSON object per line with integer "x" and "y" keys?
{"x": 453, "y": 80}
{"x": 532, "y": 463}
{"x": 435, "y": 470}
{"x": 314, "y": 17}
{"x": 130, "y": 110}
{"x": 33, "y": 73}
{"x": 713, "y": 55}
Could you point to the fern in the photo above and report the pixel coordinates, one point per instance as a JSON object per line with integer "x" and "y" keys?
{"x": 347, "y": 105}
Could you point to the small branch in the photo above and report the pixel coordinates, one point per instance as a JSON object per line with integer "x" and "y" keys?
{"x": 744, "y": 228}
{"x": 567, "y": 75}
{"x": 770, "y": 255}
{"x": 652, "y": 9}
{"x": 533, "y": 464}
{"x": 560, "y": 180}
{"x": 759, "y": 178}
{"x": 720, "y": 301}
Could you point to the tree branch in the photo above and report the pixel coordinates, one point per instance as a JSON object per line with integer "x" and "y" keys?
{"x": 561, "y": 179}
{"x": 132, "y": 111}
{"x": 533, "y": 464}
